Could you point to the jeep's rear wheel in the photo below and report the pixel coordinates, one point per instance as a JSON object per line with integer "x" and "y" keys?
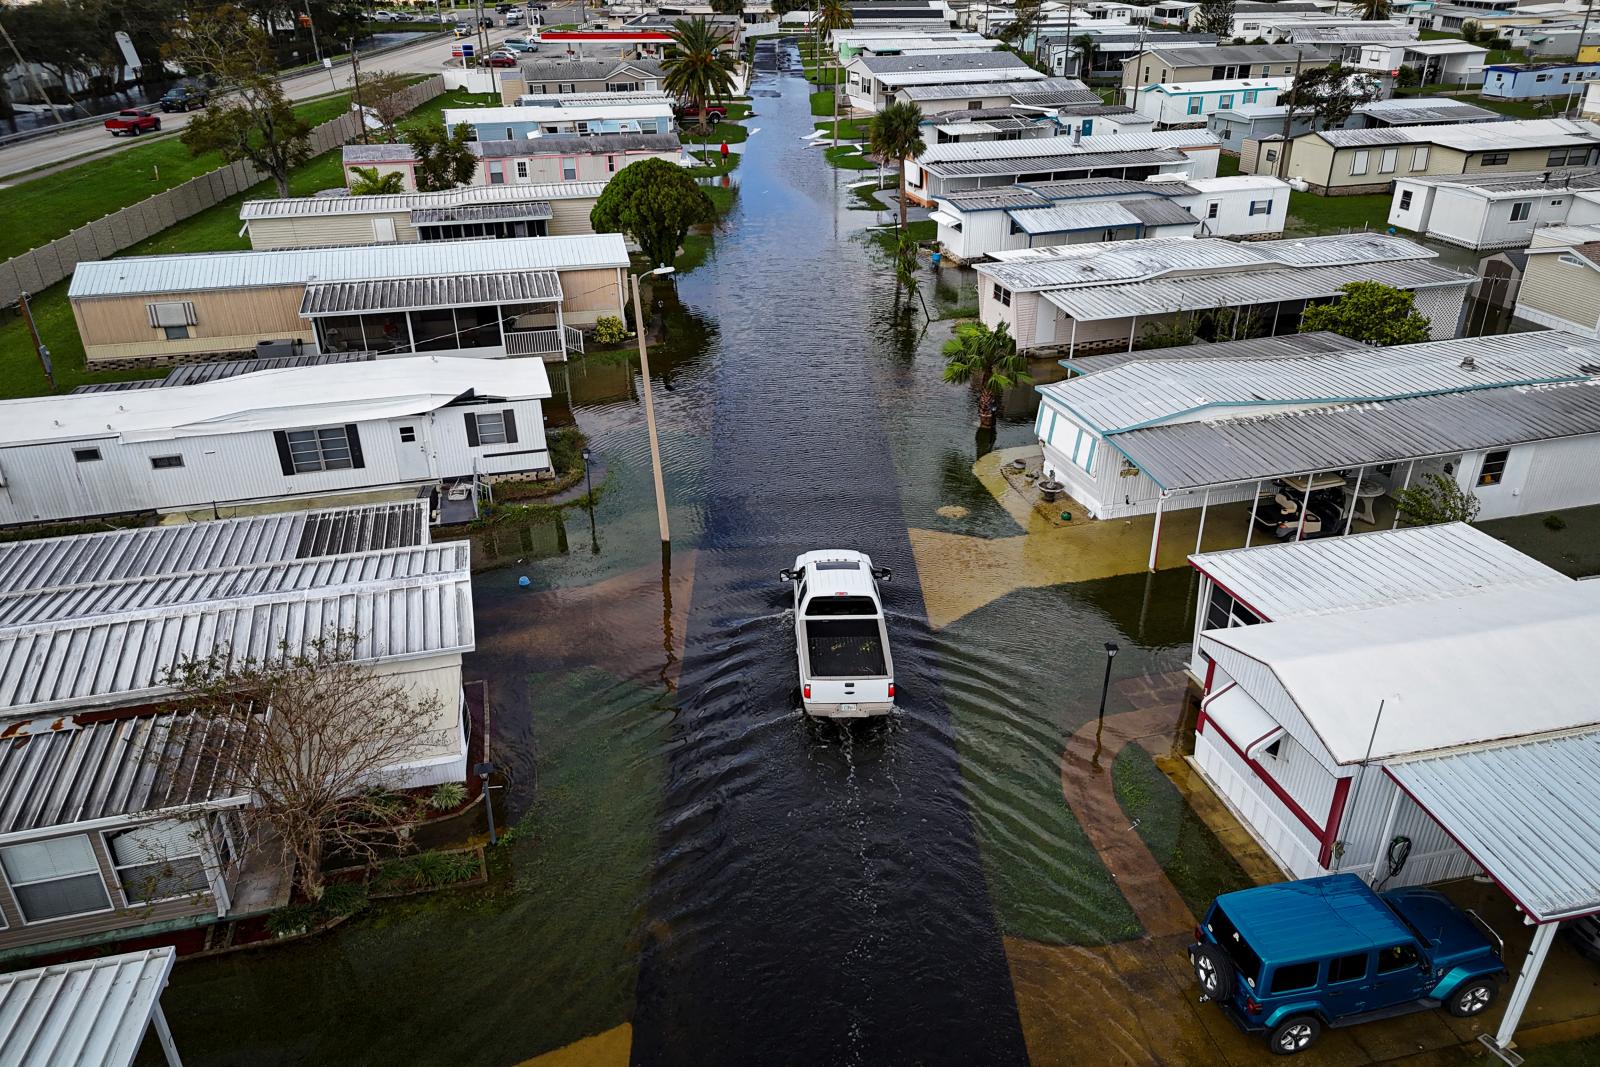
{"x": 1295, "y": 1034}
{"x": 1471, "y": 999}
{"x": 1214, "y": 971}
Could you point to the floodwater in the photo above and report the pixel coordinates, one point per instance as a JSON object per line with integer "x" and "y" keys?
{"x": 691, "y": 855}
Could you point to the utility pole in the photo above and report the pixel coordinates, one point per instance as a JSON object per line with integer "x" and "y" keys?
{"x": 33, "y": 78}
{"x": 1288, "y": 119}
{"x": 355, "y": 75}
{"x": 38, "y": 345}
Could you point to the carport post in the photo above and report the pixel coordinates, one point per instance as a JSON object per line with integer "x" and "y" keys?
{"x": 1355, "y": 501}
{"x": 1133, "y": 331}
{"x": 1403, "y": 487}
{"x": 1073, "y": 350}
{"x": 169, "y": 1048}
{"x": 1520, "y": 992}
{"x": 1155, "y": 534}
{"x": 1205, "y": 500}
{"x": 1255, "y": 505}
{"x": 1305, "y": 508}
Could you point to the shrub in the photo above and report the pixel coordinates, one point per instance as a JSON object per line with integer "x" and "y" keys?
{"x": 426, "y": 870}
{"x": 609, "y": 330}
{"x": 1555, "y": 523}
{"x": 447, "y": 795}
{"x": 1437, "y": 499}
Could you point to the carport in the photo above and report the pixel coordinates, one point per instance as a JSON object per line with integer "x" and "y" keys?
{"x": 1528, "y": 813}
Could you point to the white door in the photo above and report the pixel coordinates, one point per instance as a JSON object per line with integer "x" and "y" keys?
{"x": 412, "y": 461}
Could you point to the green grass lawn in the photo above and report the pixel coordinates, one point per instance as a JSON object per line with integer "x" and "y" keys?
{"x": 33, "y": 213}
{"x": 845, "y": 157}
{"x": 1518, "y": 109}
{"x": 1310, "y": 214}
{"x": 1227, "y": 166}
{"x": 849, "y": 129}
{"x": 822, "y": 104}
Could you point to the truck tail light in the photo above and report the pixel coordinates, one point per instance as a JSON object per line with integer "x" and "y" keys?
{"x": 1199, "y": 932}
{"x": 806, "y": 692}
{"x": 1251, "y": 1006}
{"x": 891, "y": 690}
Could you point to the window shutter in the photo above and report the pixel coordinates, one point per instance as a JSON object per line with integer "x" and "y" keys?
{"x": 511, "y": 425}
{"x": 285, "y": 460}
{"x": 353, "y": 434}
{"x": 472, "y": 430}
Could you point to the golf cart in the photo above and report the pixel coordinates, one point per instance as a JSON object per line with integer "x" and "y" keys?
{"x": 1321, "y": 498}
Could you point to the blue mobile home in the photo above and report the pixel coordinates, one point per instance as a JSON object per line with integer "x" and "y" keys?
{"x": 1531, "y": 81}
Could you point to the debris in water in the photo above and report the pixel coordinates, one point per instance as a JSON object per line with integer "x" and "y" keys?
{"x": 953, "y": 511}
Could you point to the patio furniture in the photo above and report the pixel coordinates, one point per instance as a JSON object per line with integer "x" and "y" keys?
{"x": 1364, "y": 494}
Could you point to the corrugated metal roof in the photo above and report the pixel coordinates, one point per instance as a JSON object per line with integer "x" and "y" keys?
{"x": 966, "y": 76}
{"x": 1141, "y": 394}
{"x": 1528, "y": 813}
{"x": 973, "y": 126}
{"x": 1221, "y": 85}
{"x": 387, "y": 203}
{"x": 583, "y": 70}
{"x": 1157, "y": 211}
{"x": 1066, "y": 162}
{"x": 1062, "y": 145}
{"x": 1072, "y": 86}
{"x": 524, "y": 212}
{"x": 944, "y": 62}
{"x": 191, "y": 272}
{"x": 1293, "y": 579}
{"x": 1437, "y": 668}
{"x": 88, "y": 1013}
{"x": 563, "y": 110}
{"x": 579, "y": 144}
{"x": 1096, "y": 215}
{"x": 129, "y": 555}
{"x": 1192, "y": 455}
{"x": 1520, "y": 182}
{"x": 1354, "y": 33}
{"x": 82, "y": 772}
{"x": 1290, "y": 344}
{"x": 1421, "y": 110}
{"x": 1053, "y": 97}
{"x": 994, "y": 199}
{"x": 1473, "y": 136}
{"x": 195, "y": 373}
{"x": 1226, "y": 55}
{"x": 1096, "y": 187}
{"x": 1155, "y": 296}
{"x": 399, "y": 294}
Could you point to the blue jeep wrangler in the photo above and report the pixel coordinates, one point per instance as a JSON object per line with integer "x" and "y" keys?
{"x": 1289, "y": 959}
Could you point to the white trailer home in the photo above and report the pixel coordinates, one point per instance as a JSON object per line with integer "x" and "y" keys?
{"x": 1480, "y": 210}
{"x": 291, "y": 433}
{"x": 1193, "y": 103}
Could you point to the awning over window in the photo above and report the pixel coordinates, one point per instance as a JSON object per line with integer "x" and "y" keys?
{"x": 1245, "y": 722}
{"x": 415, "y": 294}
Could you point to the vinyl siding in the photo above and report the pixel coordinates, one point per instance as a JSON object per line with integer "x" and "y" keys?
{"x": 1567, "y": 291}
{"x": 222, "y": 317}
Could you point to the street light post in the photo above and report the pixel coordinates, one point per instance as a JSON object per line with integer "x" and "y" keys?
{"x": 484, "y": 770}
{"x": 1105, "y": 688}
{"x": 649, "y": 406}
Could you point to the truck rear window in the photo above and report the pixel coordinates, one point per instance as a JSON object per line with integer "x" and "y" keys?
{"x": 844, "y": 648}
{"x": 841, "y": 605}
{"x": 1233, "y": 943}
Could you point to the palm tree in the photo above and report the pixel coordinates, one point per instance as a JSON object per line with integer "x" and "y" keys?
{"x": 1373, "y": 10}
{"x": 1085, "y": 46}
{"x": 368, "y": 182}
{"x": 896, "y": 134}
{"x": 728, "y": 7}
{"x": 698, "y": 71}
{"x": 833, "y": 15}
{"x": 989, "y": 361}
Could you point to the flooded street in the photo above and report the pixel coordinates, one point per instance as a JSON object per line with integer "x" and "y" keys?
{"x": 697, "y": 873}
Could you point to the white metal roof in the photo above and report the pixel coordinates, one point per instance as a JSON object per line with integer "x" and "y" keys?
{"x": 1141, "y": 394}
{"x": 967, "y": 151}
{"x": 89, "y": 1013}
{"x": 492, "y": 116}
{"x": 642, "y": 96}
{"x": 1443, "y": 48}
{"x": 190, "y": 273}
{"x": 1528, "y": 813}
{"x": 1225, "y": 85}
{"x": 396, "y": 203}
{"x": 1501, "y": 664}
{"x": 1242, "y": 719}
{"x": 1472, "y": 136}
{"x": 1013, "y": 88}
{"x": 1292, "y": 579}
{"x": 271, "y": 399}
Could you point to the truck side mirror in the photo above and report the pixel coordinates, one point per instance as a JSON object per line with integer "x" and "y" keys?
{"x": 882, "y": 574}
{"x": 785, "y": 576}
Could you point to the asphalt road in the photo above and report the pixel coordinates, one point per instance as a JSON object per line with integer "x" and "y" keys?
{"x": 426, "y": 57}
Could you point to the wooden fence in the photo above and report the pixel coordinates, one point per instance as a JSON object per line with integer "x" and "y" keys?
{"x": 42, "y": 267}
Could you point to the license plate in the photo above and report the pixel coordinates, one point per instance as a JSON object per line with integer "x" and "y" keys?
{"x": 847, "y": 708}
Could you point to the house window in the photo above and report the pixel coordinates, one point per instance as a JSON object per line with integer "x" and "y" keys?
{"x": 1226, "y": 100}
{"x": 1275, "y": 750}
{"x": 1358, "y": 162}
{"x": 1570, "y": 260}
{"x": 86, "y": 455}
{"x": 408, "y": 434}
{"x": 522, "y": 170}
{"x": 165, "y": 463}
{"x": 567, "y": 87}
{"x": 331, "y": 448}
{"x": 611, "y": 164}
{"x": 1496, "y": 159}
{"x": 1002, "y": 294}
{"x": 1521, "y": 210}
{"x": 497, "y": 172}
{"x": 158, "y": 861}
{"x": 1250, "y": 96}
{"x": 1568, "y": 157}
{"x": 1272, "y": 155}
{"x": 1494, "y": 467}
{"x": 1224, "y": 612}
{"x": 1386, "y": 160}
{"x": 55, "y": 878}
{"x": 175, "y": 333}
{"x": 1261, "y": 207}
{"x": 1213, "y": 208}
{"x": 1194, "y": 105}
{"x": 1405, "y": 200}
{"x": 491, "y": 428}
{"x": 569, "y": 168}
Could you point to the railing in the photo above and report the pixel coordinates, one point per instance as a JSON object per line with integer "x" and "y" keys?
{"x": 534, "y": 343}
{"x": 574, "y": 339}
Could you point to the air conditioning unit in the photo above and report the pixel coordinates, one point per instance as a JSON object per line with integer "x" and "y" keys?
{"x": 277, "y": 349}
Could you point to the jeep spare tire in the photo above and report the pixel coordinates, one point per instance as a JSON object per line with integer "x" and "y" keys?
{"x": 1214, "y": 971}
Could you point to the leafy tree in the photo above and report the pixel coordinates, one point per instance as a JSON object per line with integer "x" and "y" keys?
{"x": 1373, "y": 10}
{"x": 444, "y": 158}
{"x": 1331, "y": 93}
{"x": 381, "y": 94}
{"x": 1409, "y": 76}
{"x": 254, "y": 121}
{"x": 698, "y": 71}
{"x": 319, "y": 765}
{"x": 368, "y": 182}
{"x": 1370, "y": 312}
{"x": 1084, "y": 43}
{"x": 834, "y": 15}
{"x": 655, "y": 203}
{"x": 896, "y": 134}
{"x": 1175, "y": 333}
{"x": 728, "y": 7}
{"x": 987, "y": 360}
{"x": 1025, "y": 17}
{"x": 1436, "y": 498}
{"x": 1212, "y": 16}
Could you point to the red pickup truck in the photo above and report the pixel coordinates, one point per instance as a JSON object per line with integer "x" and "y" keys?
{"x": 132, "y": 123}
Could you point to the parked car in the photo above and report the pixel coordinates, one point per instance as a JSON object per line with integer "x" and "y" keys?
{"x": 132, "y": 122}
{"x": 1291, "y": 959}
{"x": 690, "y": 116}
{"x": 519, "y": 45}
{"x": 843, "y": 647}
{"x": 500, "y": 57}
{"x": 513, "y": 18}
{"x": 184, "y": 98}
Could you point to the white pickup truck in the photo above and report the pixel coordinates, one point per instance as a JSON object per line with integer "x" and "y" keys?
{"x": 843, "y": 647}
